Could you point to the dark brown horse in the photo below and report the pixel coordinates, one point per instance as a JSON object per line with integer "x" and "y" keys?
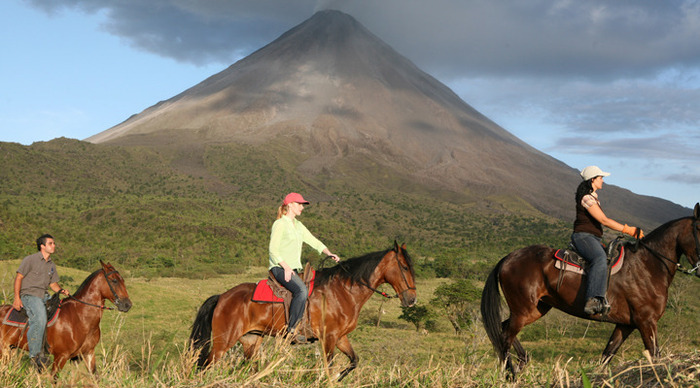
{"x": 334, "y": 306}
{"x": 637, "y": 293}
{"x": 77, "y": 329}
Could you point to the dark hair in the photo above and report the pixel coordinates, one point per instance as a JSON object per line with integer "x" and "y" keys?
{"x": 585, "y": 188}
{"x": 42, "y": 240}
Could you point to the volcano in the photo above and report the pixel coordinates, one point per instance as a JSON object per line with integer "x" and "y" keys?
{"x": 346, "y": 101}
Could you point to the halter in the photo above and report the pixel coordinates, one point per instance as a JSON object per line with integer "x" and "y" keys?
{"x": 114, "y": 294}
{"x": 678, "y": 264}
{"x": 382, "y": 293}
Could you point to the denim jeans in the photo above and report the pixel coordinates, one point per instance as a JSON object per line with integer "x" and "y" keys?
{"x": 591, "y": 249}
{"x": 36, "y": 312}
{"x": 299, "y": 295}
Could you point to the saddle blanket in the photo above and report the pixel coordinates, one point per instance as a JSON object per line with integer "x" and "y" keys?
{"x": 263, "y": 293}
{"x": 19, "y": 318}
{"x": 567, "y": 260}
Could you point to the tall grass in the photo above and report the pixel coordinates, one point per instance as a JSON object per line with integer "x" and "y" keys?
{"x": 147, "y": 347}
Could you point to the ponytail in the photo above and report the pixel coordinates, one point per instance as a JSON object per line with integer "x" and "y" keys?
{"x": 282, "y": 210}
{"x": 585, "y": 188}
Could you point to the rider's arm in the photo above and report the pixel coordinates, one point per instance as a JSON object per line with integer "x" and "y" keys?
{"x": 17, "y": 303}
{"x": 598, "y": 214}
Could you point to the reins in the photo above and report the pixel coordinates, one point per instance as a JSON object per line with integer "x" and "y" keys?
{"x": 382, "y": 293}
{"x": 678, "y": 265}
{"x": 90, "y": 304}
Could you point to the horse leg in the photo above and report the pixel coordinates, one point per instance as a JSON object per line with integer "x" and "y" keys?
{"x": 344, "y": 346}
{"x": 520, "y": 318}
{"x": 619, "y": 335}
{"x": 251, "y": 344}
{"x": 59, "y": 361}
{"x": 649, "y": 337}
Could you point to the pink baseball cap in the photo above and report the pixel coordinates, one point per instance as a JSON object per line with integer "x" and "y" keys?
{"x": 294, "y": 197}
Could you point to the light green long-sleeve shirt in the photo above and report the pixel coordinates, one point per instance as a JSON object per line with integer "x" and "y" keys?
{"x": 286, "y": 239}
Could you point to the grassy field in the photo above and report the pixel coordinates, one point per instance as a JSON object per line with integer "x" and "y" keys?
{"x": 147, "y": 346}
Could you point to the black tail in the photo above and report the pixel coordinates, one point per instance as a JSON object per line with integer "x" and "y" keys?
{"x": 491, "y": 311}
{"x": 200, "y": 338}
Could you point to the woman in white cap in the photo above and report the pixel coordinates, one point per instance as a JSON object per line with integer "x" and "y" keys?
{"x": 588, "y": 234}
{"x": 286, "y": 240}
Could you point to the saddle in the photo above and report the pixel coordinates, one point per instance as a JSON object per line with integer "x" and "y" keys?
{"x": 270, "y": 291}
{"x": 19, "y": 318}
{"x": 569, "y": 260}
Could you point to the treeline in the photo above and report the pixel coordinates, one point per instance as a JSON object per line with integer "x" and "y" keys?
{"x": 208, "y": 210}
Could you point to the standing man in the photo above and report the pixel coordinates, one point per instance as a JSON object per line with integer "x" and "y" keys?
{"x": 36, "y": 274}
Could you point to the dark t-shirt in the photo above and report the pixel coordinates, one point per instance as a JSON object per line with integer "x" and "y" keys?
{"x": 38, "y": 274}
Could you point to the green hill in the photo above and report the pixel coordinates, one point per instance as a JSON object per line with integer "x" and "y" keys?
{"x": 207, "y": 209}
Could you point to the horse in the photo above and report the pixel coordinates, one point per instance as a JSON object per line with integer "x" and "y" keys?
{"x": 333, "y": 308}
{"x": 637, "y": 293}
{"x": 77, "y": 329}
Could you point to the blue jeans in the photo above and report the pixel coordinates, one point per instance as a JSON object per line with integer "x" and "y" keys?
{"x": 591, "y": 248}
{"x": 36, "y": 312}
{"x": 299, "y": 295}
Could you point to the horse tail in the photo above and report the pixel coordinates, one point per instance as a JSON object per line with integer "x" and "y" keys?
{"x": 200, "y": 338}
{"x": 491, "y": 311}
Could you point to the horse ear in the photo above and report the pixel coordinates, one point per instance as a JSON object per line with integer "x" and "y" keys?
{"x": 396, "y": 246}
{"x": 696, "y": 213}
{"x": 403, "y": 246}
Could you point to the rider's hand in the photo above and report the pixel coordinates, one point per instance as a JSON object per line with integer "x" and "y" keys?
{"x": 334, "y": 257}
{"x": 17, "y": 304}
{"x": 632, "y": 231}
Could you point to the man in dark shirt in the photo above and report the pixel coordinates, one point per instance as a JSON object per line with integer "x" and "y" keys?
{"x": 36, "y": 274}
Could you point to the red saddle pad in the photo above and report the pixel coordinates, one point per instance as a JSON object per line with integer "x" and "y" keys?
{"x": 263, "y": 293}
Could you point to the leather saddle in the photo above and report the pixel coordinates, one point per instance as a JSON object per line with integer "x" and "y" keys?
{"x": 20, "y": 318}
{"x": 271, "y": 291}
{"x": 570, "y": 260}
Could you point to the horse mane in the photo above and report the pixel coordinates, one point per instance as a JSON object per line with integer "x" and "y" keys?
{"x": 357, "y": 270}
{"x": 653, "y": 236}
{"x": 86, "y": 281}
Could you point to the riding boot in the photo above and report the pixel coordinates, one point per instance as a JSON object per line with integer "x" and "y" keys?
{"x": 596, "y": 305}
{"x": 295, "y": 337}
{"x": 40, "y": 362}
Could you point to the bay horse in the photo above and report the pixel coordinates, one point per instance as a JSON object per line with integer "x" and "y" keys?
{"x": 333, "y": 308}
{"x": 637, "y": 293}
{"x": 77, "y": 329}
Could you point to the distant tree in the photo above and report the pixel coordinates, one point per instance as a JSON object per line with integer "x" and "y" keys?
{"x": 420, "y": 316}
{"x": 458, "y": 300}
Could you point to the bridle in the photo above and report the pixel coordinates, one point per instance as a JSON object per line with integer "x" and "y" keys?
{"x": 117, "y": 300}
{"x": 678, "y": 265}
{"x": 402, "y": 270}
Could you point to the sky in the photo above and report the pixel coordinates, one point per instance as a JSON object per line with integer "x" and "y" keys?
{"x": 597, "y": 82}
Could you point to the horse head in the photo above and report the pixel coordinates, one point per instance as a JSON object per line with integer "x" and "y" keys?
{"x": 116, "y": 291}
{"x": 695, "y": 230}
{"x": 400, "y": 275}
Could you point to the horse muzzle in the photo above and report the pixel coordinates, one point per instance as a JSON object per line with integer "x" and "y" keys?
{"x": 123, "y": 305}
{"x": 408, "y": 298}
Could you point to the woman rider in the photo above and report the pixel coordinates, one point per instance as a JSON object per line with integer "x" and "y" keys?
{"x": 286, "y": 240}
{"x": 588, "y": 234}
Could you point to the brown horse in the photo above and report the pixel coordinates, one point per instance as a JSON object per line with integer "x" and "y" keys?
{"x": 77, "y": 329}
{"x": 333, "y": 307}
{"x": 637, "y": 293}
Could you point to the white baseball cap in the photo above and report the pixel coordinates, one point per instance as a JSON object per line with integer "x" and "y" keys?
{"x": 591, "y": 172}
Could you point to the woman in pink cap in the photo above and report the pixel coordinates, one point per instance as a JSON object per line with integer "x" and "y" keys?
{"x": 588, "y": 237}
{"x": 286, "y": 240}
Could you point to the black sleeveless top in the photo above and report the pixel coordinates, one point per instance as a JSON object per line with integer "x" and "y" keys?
{"x": 585, "y": 222}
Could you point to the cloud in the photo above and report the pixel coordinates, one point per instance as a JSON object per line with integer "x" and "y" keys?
{"x": 609, "y": 78}
{"x": 592, "y": 39}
